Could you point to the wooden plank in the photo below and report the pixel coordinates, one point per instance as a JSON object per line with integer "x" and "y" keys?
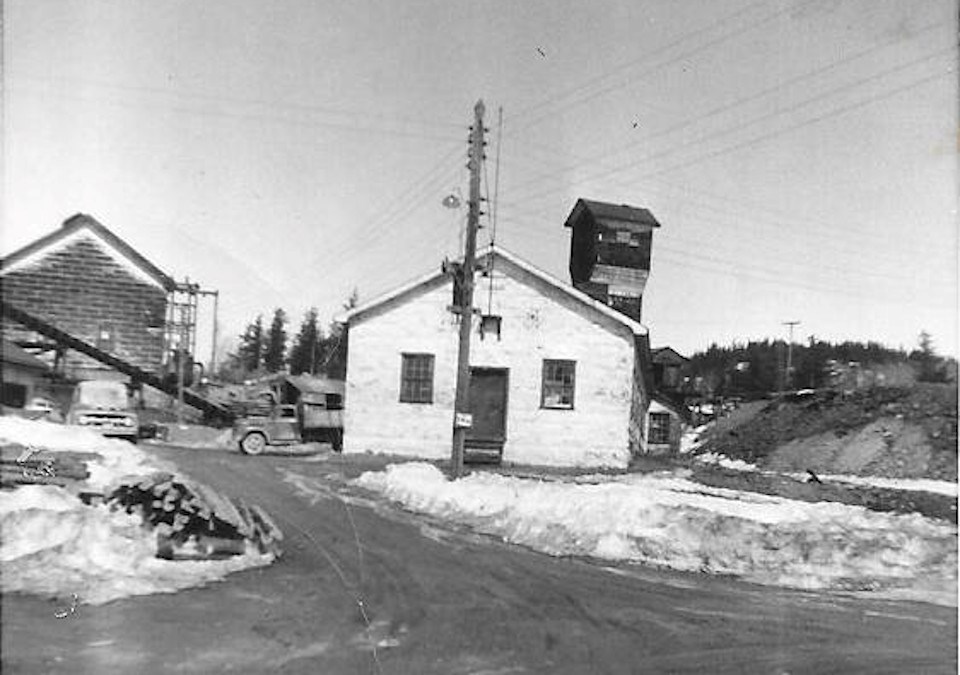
{"x": 10, "y": 477}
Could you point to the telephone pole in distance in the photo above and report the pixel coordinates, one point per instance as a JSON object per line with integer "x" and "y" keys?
{"x": 788, "y": 378}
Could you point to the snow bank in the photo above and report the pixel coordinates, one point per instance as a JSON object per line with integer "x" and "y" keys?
{"x": 54, "y": 544}
{"x": 940, "y": 487}
{"x": 117, "y": 458}
{"x": 672, "y": 522}
{"x": 726, "y": 462}
{"x": 691, "y": 439}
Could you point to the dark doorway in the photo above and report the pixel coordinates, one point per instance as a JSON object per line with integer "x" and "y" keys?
{"x": 488, "y": 405}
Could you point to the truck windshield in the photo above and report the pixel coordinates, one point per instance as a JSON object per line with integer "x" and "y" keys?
{"x": 102, "y": 395}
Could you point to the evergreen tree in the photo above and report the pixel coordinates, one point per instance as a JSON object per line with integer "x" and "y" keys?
{"x": 930, "y": 367}
{"x": 251, "y": 349}
{"x": 758, "y": 367}
{"x": 231, "y": 369}
{"x": 276, "y": 342}
{"x": 306, "y": 354}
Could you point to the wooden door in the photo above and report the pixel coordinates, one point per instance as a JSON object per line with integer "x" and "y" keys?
{"x": 488, "y": 405}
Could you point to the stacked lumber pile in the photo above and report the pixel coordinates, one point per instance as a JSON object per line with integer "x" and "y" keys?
{"x": 192, "y": 520}
{"x": 21, "y": 465}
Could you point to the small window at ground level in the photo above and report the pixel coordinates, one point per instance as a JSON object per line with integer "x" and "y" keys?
{"x": 659, "y": 428}
{"x": 558, "y": 384}
{"x": 416, "y": 378}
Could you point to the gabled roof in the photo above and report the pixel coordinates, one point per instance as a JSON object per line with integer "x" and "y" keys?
{"x": 605, "y": 211}
{"x": 424, "y": 283}
{"x": 76, "y": 226}
{"x": 17, "y": 355}
{"x": 309, "y": 384}
{"x": 667, "y": 355}
{"x": 677, "y": 407}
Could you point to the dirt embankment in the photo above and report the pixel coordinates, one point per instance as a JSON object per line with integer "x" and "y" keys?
{"x": 893, "y": 432}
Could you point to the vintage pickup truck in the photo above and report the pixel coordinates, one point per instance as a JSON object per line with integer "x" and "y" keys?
{"x": 317, "y": 416}
{"x": 104, "y": 406}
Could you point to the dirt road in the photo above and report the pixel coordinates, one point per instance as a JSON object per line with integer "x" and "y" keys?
{"x": 438, "y": 601}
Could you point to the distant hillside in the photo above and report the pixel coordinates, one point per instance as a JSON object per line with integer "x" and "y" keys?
{"x": 896, "y": 432}
{"x": 758, "y": 368}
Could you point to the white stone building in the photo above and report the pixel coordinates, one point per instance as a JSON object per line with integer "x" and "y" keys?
{"x": 565, "y": 380}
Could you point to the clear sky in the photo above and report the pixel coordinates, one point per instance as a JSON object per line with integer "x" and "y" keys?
{"x": 801, "y": 155}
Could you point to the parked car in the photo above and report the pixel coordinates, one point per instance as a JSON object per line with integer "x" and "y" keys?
{"x": 104, "y": 406}
{"x": 40, "y": 408}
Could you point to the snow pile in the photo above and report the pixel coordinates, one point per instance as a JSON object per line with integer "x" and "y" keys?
{"x": 54, "y": 544}
{"x": 672, "y": 522}
{"x": 690, "y": 440}
{"x": 940, "y": 487}
{"x": 116, "y": 457}
{"x": 726, "y": 462}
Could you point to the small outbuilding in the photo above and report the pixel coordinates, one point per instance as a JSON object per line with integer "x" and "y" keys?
{"x": 669, "y": 368}
{"x": 665, "y": 421}
{"x": 557, "y": 376}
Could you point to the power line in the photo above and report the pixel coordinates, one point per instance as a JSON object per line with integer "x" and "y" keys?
{"x": 711, "y": 136}
{"x": 776, "y": 114}
{"x": 841, "y": 238}
{"x": 410, "y": 197}
{"x": 234, "y": 100}
{"x": 713, "y": 112}
{"x": 833, "y": 113}
{"x": 742, "y": 264}
{"x": 710, "y": 264}
{"x": 377, "y": 129}
{"x": 679, "y": 41}
{"x": 770, "y": 135}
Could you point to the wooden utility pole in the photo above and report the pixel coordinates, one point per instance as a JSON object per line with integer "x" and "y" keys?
{"x": 213, "y": 349}
{"x": 461, "y": 407}
{"x": 788, "y": 379}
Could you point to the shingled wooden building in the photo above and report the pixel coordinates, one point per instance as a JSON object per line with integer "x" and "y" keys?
{"x": 87, "y": 282}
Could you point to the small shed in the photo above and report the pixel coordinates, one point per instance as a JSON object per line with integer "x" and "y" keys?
{"x": 669, "y": 368}
{"x": 665, "y": 422}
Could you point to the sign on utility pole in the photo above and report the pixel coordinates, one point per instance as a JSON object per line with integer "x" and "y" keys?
{"x": 461, "y": 407}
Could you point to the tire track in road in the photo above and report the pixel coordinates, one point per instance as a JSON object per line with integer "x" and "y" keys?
{"x": 456, "y": 602}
